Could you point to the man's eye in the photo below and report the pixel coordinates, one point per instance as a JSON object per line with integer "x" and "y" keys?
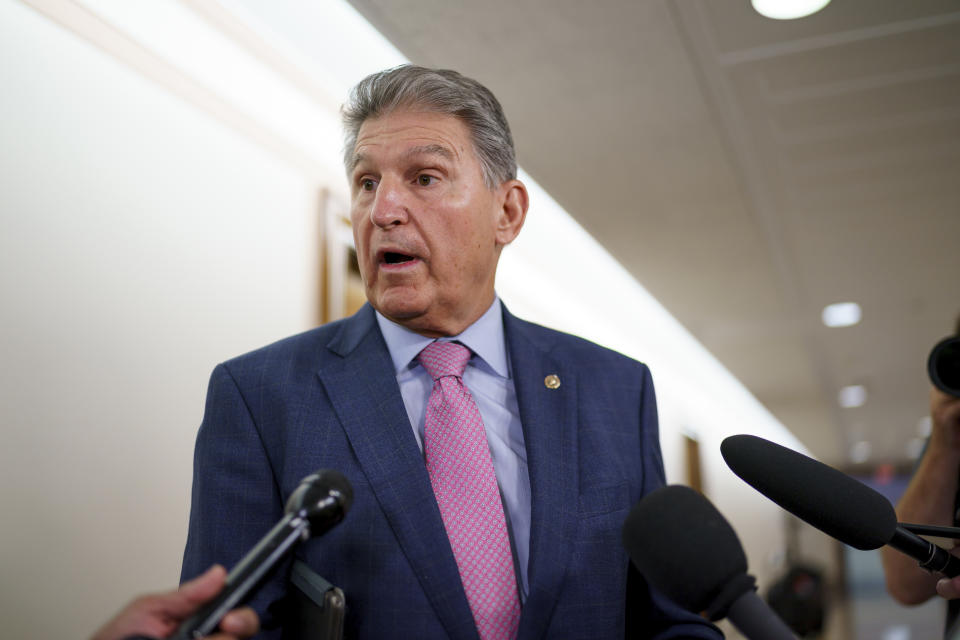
{"x": 367, "y": 184}
{"x": 425, "y": 180}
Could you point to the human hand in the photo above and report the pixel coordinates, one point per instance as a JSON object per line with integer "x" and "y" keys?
{"x": 945, "y": 418}
{"x": 949, "y": 588}
{"x": 158, "y": 615}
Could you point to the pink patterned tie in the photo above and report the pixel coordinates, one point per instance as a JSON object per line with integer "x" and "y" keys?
{"x": 461, "y": 472}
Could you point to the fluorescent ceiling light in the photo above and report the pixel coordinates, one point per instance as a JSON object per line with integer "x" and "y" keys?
{"x": 841, "y": 314}
{"x": 788, "y": 9}
{"x": 854, "y": 395}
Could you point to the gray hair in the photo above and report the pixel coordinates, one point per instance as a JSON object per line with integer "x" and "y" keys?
{"x": 440, "y": 91}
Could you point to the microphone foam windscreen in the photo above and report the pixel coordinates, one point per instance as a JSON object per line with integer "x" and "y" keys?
{"x": 830, "y": 500}
{"x": 683, "y": 546}
{"x": 323, "y": 497}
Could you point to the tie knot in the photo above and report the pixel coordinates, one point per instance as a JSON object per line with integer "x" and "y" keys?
{"x": 444, "y": 359}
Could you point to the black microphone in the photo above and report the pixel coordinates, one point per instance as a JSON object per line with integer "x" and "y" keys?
{"x": 830, "y": 500}
{"x": 686, "y": 549}
{"x": 316, "y": 505}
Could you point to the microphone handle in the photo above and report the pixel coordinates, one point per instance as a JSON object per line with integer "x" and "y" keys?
{"x": 928, "y": 555}
{"x": 756, "y": 620}
{"x": 245, "y": 575}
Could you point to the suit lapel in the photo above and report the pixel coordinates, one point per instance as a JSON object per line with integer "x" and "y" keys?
{"x": 364, "y": 393}
{"x": 548, "y": 416}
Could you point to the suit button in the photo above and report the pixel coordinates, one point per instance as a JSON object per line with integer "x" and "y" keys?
{"x": 552, "y": 381}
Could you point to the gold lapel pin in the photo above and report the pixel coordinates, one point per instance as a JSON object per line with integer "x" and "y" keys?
{"x": 552, "y": 381}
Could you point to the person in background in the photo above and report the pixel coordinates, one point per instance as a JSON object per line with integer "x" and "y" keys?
{"x": 159, "y": 614}
{"x": 932, "y": 497}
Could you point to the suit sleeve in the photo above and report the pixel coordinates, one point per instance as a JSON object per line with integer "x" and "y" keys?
{"x": 235, "y": 499}
{"x": 651, "y": 614}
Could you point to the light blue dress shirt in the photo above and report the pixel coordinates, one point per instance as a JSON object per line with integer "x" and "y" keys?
{"x": 487, "y": 376}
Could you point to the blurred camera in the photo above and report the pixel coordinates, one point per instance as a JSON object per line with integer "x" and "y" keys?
{"x": 944, "y": 365}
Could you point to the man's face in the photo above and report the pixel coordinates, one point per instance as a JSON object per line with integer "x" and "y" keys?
{"x": 428, "y": 230}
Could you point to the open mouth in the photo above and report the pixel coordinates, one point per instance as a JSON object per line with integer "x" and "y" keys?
{"x": 392, "y": 257}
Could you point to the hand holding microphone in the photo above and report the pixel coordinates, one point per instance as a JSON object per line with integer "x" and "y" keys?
{"x": 156, "y": 615}
{"x": 319, "y": 502}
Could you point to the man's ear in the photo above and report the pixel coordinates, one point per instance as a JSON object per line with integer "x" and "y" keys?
{"x": 513, "y": 211}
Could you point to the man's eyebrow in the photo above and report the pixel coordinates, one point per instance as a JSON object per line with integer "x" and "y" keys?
{"x": 430, "y": 150}
{"x": 355, "y": 160}
{"x": 425, "y": 150}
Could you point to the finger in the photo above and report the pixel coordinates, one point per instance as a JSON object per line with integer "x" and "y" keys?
{"x": 195, "y": 592}
{"x": 241, "y": 623}
{"x": 145, "y": 615}
{"x": 949, "y": 588}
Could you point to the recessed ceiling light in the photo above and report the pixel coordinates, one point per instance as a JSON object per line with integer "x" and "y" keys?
{"x": 841, "y": 314}
{"x": 854, "y": 395}
{"x": 788, "y": 9}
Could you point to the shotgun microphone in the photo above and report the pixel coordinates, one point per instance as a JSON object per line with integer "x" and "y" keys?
{"x": 830, "y": 500}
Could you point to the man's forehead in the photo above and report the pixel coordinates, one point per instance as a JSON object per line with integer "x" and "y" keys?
{"x": 412, "y": 133}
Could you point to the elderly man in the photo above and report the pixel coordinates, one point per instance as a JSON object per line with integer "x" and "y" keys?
{"x": 493, "y": 461}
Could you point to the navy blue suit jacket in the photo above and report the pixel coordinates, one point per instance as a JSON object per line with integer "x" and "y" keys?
{"x": 328, "y": 398}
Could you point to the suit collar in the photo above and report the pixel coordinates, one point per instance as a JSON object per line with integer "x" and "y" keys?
{"x": 352, "y": 331}
{"x": 484, "y": 337}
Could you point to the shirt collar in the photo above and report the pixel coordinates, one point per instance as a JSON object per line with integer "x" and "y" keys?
{"x": 484, "y": 337}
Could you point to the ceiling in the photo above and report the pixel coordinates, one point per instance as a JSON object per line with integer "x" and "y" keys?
{"x": 748, "y": 172}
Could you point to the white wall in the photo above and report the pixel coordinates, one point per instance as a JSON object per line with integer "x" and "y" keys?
{"x": 149, "y": 231}
{"x": 141, "y": 242}
{"x": 551, "y": 275}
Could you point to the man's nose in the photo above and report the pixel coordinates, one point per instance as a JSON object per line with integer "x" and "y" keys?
{"x": 389, "y": 204}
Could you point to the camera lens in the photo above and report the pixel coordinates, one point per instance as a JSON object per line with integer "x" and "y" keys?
{"x": 944, "y": 366}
